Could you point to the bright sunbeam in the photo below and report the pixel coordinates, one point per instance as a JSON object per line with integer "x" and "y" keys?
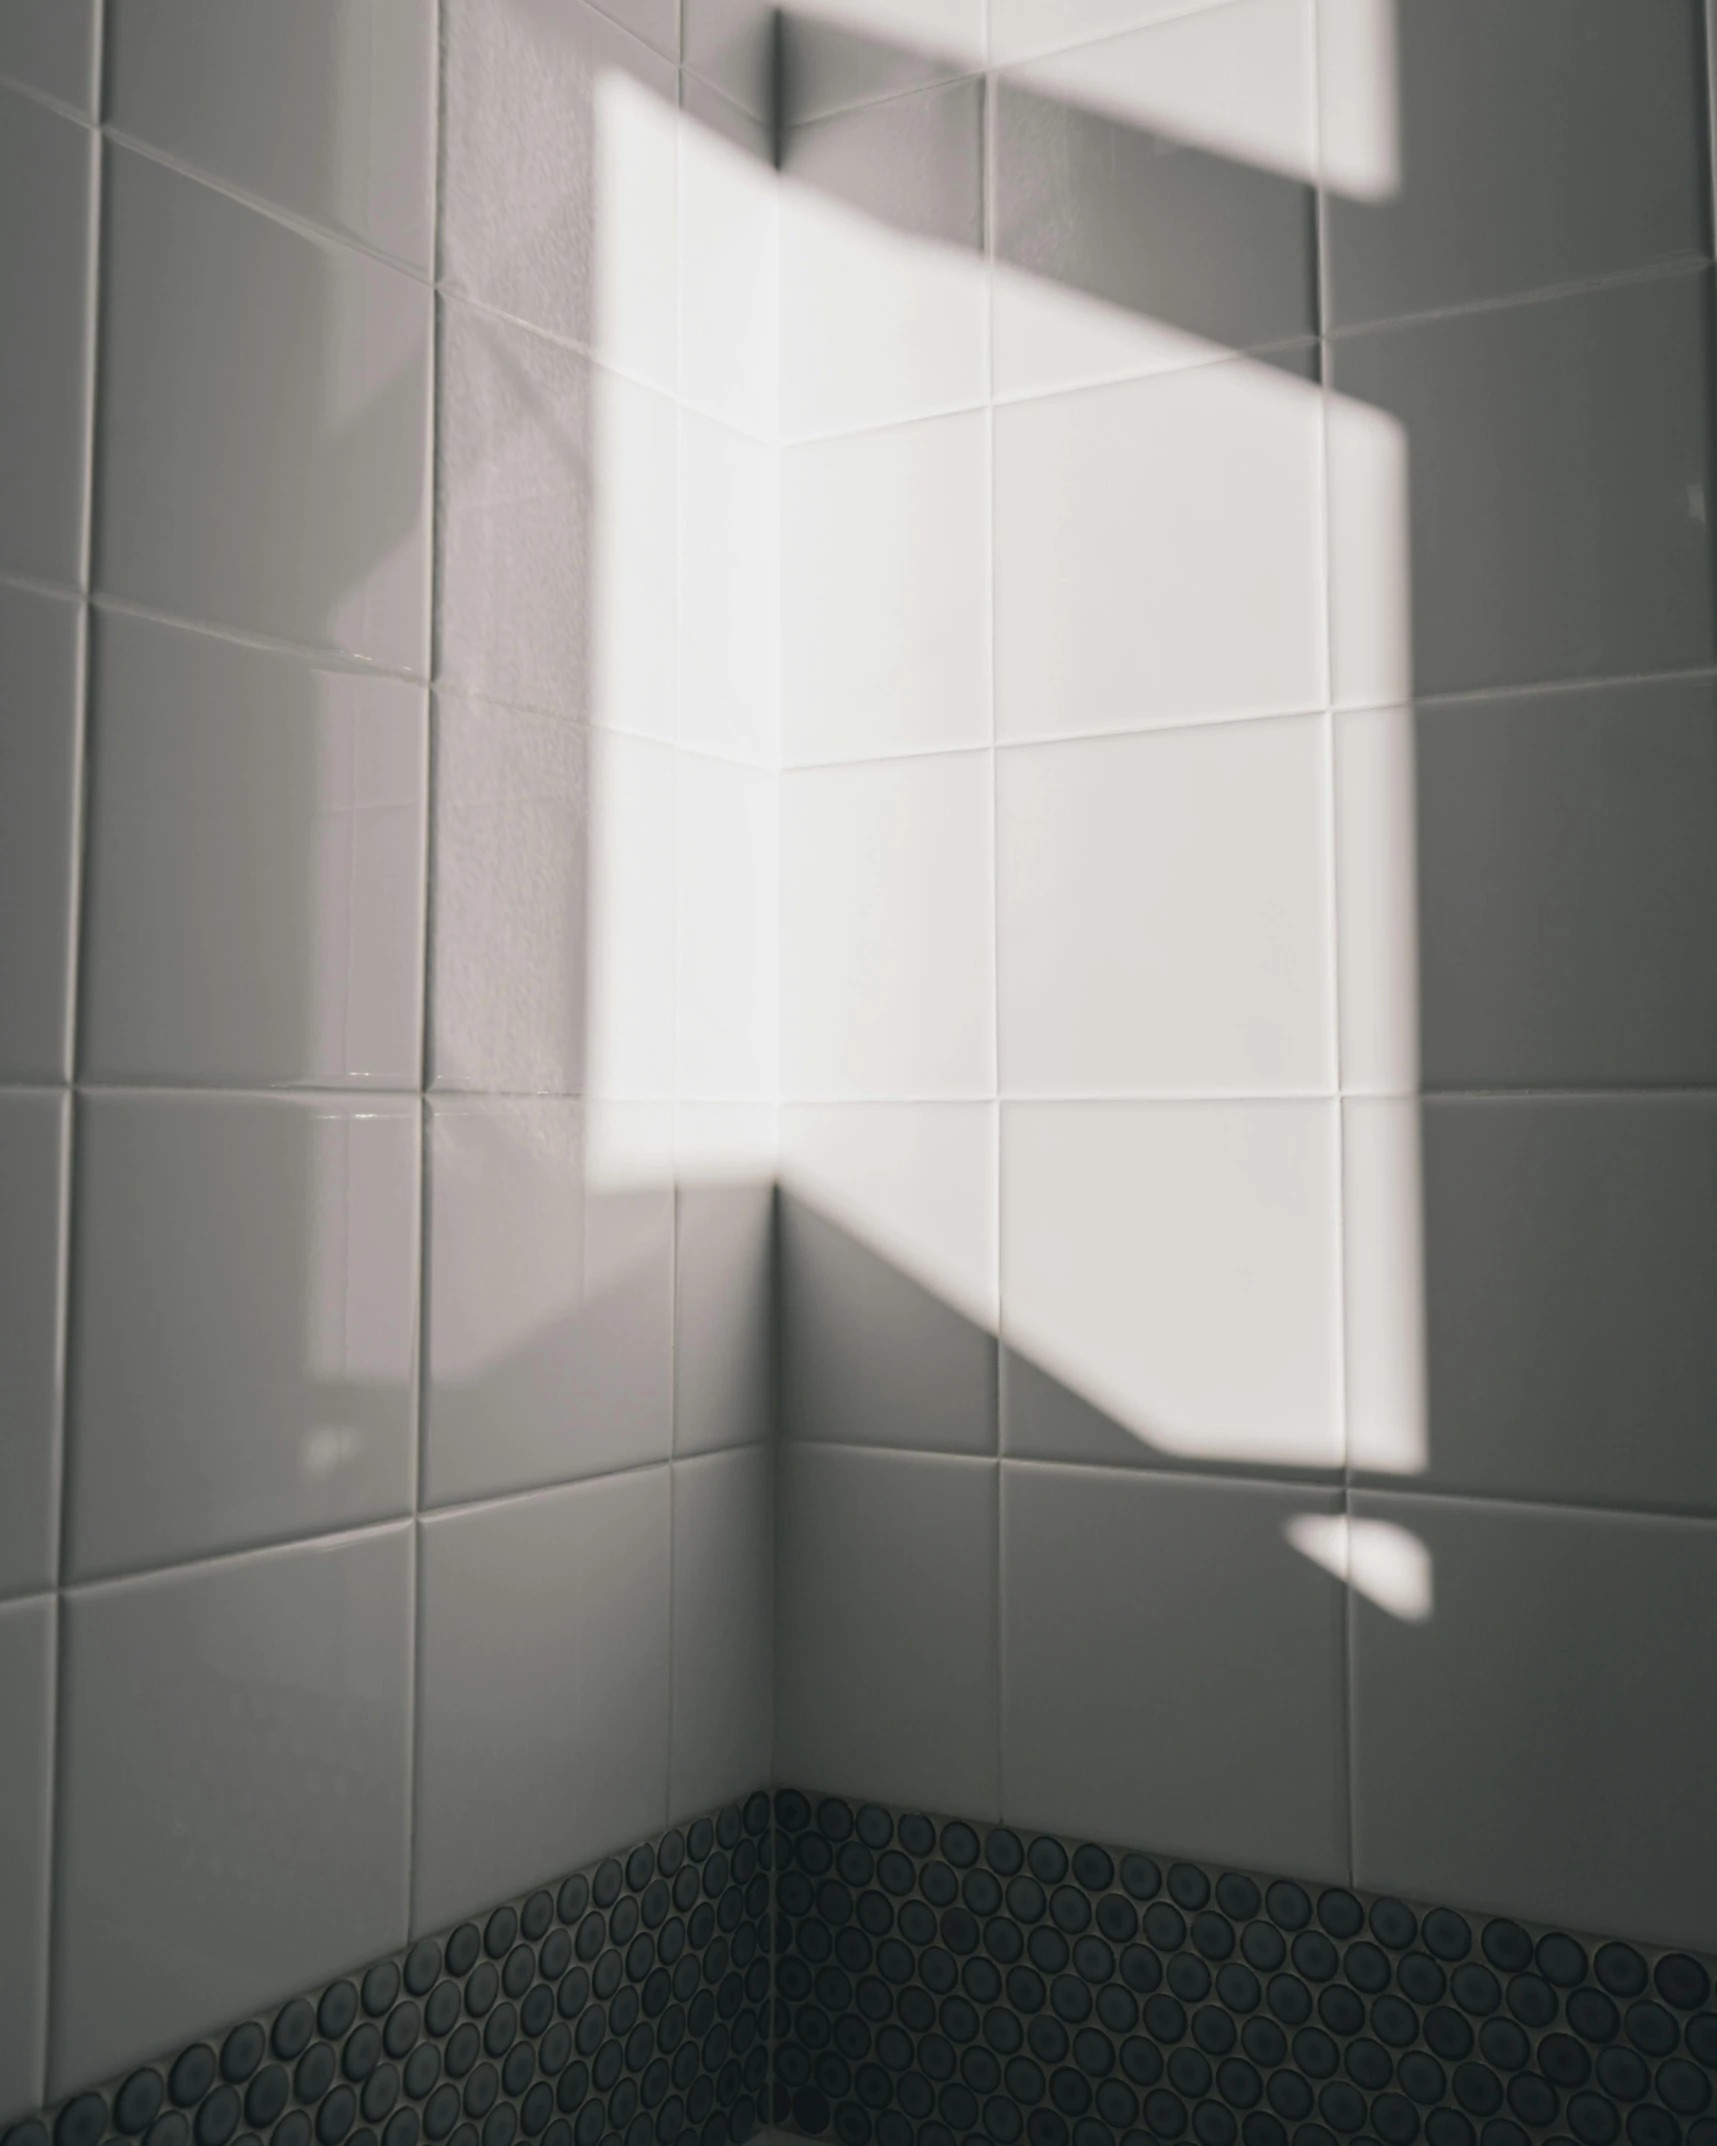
{"x": 1386, "y": 1564}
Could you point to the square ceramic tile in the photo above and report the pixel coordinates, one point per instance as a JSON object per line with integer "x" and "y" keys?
{"x": 254, "y": 890}
{"x": 1565, "y": 1345}
{"x": 724, "y": 1558}
{"x": 234, "y": 1796}
{"x": 729, "y": 698}
{"x": 509, "y": 900}
{"x": 633, "y": 922}
{"x": 1154, "y": 198}
{"x": 1476, "y": 151}
{"x": 1529, "y": 1740}
{"x": 1163, "y": 914}
{"x": 515, "y": 572}
{"x": 245, "y": 1311}
{"x": 836, "y": 54}
{"x": 1173, "y": 1272}
{"x": 26, "y": 1769}
{"x": 724, "y": 1316}
{"x": 727, "y": 850}
{"x": 50, "y": 45}
{"x": 263, "y": 425}
{"x": 1520, "y": 496}
{"x": 730, "y": 284}
{"x": 1166, "y": 1653}
{"x": 1127, "y": 590}
{"x": 885, "y": 600}
{"x": 543, "y": 1688}
{"x": 887, "y": 968}
{"x": 885, "y": 1626}
{"x": 33, "y": 1162}
{"x": 47, "y": 188}
{"x": 326, "y": 111}
{"x": 550, "y": 1306}
{"x": 1019, "y": 28}
{"x": 884, "y": 311}
{"x": 41, "y": 673}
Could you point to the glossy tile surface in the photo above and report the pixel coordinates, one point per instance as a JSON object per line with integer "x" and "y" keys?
{"x": 1544, "y": 1695}
{"x": 325, "y": 109}
{"x": 550, "y": 1306}
{"x": 543, "y": 1687}
{"x": 1164, "y": 1651}
{"x": 33, "y": 1136}
{"x": 264, "y": 427}
{"x": 255, "y": 866}
{"x": 724, "y": 1316}
{"x": 723, "y": 1672}
{"x": 50, "y": 45}
{"x": 887, "y": 1685}
{"x": 246, "y": 1342}
{"x": 40, "y": 675}
{"x": 47, "y": 185}
{"x": 26, "y": 1702}
{"x": 234, "y": 1791}
{"x": 1162, "y": 913}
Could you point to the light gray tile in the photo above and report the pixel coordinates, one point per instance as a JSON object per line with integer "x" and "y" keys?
{"x": 26, "y": 1771}
{"x": 1172, "y": 1668}
{"x": 509, "y": 901}
{"x": 245, "y": 1284}
{"x": 550, "y": 1306}
{"x": 915, "y": 162}
{"x": 1556, "y": 513}
{"x": 47, "y": 189}
{"x": 255, "y": 866}
{"x": 724, "y": 1557}
{"x": 1545, "y": 142}
{"x": 234, "y": 1792}
{"x": 657, "y": 22}
{"x": 1538, "y": 1743}
{"x": 869, "y": 1356}
{"x": 543, "y": 1692}
{"x": 263, "y": 424}
{"x": 325, "y": 108}
{"x": 885, "y": 1626}
{"x": 33, "y": 1131}
{"x": 50, "y": 45}
{"x": 724, "y": 1317}
{"x": 40, "y": 678}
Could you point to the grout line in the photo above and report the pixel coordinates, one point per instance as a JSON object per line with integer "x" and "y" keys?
{"x": 1682, "y": 267}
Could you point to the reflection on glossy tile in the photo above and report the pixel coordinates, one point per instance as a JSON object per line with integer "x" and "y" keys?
{"x": 885, "y": 593}
{"x": 254, "y": 898}
{"x": 1533, "y": 1745}
{"x": 246, "y": 1284}
{"x": 26, "y": 1752}
{"x": 728, "y": 949}
{"x": 325, "y": 108}
{"x": 886, "y": 975}
{"x": 1162, "y": 913}
{"x": 724, "y": 1546}
{"x": 543, "y": 1688}
{"x": 263, "y": 426}
{"x": 1176, "y": 1265}
{"x": 49, "y": 45}
{"x": 33, "y": 1131}
{"x": 47, "y": 181}
{"x": 40, "y": 674}
{"x": 729, "y": 696}
{"x": 1131, "y": 587}
{"x": 509, "y": 900}
{"x": 724, "y": 1316}
{"x": 1557, "y": 494}
{"x": 234, "y": 1791}
{"x": 1171, "y": 1668}
{"x": 1546, "y": 143}
{"x": 887, "y": 1684}
{"x": 550, "y": 1306}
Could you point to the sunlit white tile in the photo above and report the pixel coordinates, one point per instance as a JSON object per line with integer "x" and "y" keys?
{"x": 630, "y": 956}
{"x": 730, "y": 593}
{"x": 728, "y": 942}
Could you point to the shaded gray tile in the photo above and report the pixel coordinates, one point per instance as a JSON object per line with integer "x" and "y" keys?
{"x": 1171, "y": 1667}
{"x": 234, "y": 1792}
{"x": 263, "y": 425}
{"x": 1534, "y": 1744}
{"x": 724, "y": 1316}
{"x": 324, "y": 108}
{"x": 915, "y": 163}
{"x": 33, "y": 1134}
{"x": 254, "y": 899}
{"x": 829, "y": 63}
{"x": 50, "y": 45}
{"x": 40, "y": 681}
{"x": 245, "y": 1285}
{"x": 26, "y": 1769}
{"x": 724, "y": 1599}
{"x": 730, "y": 44}
{"x": 543, "y": 1692}
{"x": 885, "y": 1634}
